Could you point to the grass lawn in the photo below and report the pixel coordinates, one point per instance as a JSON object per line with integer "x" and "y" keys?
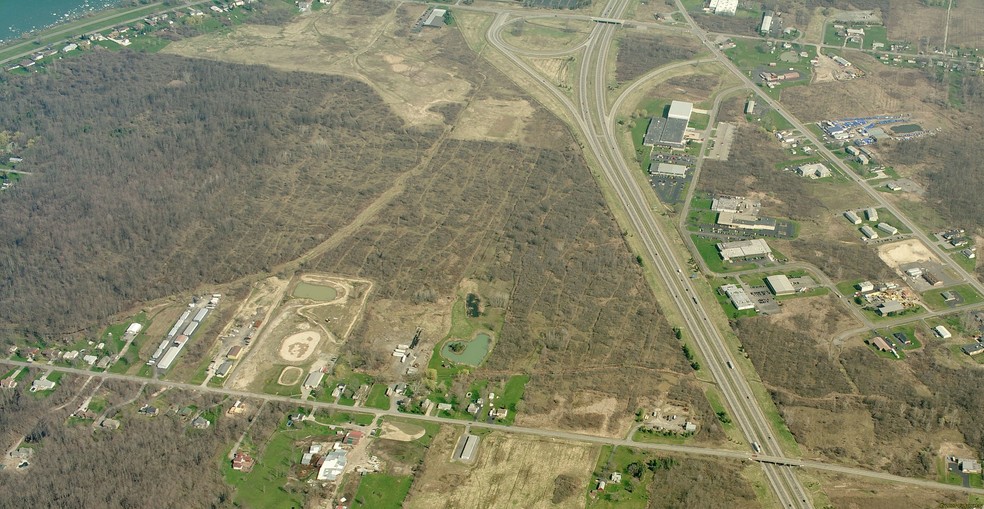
{"x": 382, "y": 491}
{"x": 658, "y": 437}
{"x": 643, "y": 153}
{"x": 968, "y": 264}
{"x": 377, "y": 397}
{"x": 772, "y": 120}
{"x": 934, "y": 298}
{"x": 511, "y": 395}
{"x": 264, "y": 485}
{"x": 333, "y": 417}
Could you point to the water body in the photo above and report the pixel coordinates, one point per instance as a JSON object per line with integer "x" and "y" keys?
{"x": 21, "y": 16}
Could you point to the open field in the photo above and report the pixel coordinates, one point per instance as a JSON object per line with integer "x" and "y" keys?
{"x": 508, "y": 472}
{"x": 545, "y": 34}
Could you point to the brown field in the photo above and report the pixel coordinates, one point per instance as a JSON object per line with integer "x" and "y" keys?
{"x": 545, "y": 34}
{"x": 508, "y": 472}
{"x": 912, "y": 21}
{"x": 884, "y": 89}
{"x": 850, "y": 492}
{"x": 907, "y": 251}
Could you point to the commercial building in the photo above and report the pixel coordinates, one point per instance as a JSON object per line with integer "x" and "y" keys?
{"x": 223, "y": 369}
{"x": 865, "y": 286}
{"x": 942, "y": 332}
{"x": 780, "y": 285}
{"x": 738, "y": 297}
{"x": 668, "y": 169}
{"x": 467, "y": 447}
{"x": 744, "y": 249}
{"x": 852, "y": 217}
{"x": 234, "y": 352}
{"x": 887, "y": 228}
{"x": 746, "y": 221}
{"x": 869, "y": 232}
{"x": 871, "y": 214}
{"x": 436, "y": 18}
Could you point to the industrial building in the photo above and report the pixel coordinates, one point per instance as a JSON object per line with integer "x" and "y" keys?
{"x": 738, "y": 297}
{"x": 435, "y": 19}
{"x": 735, "y": 204}
{"x": 667, "y": 169}
{"x": 750, "y": 107}
{"x": 869, "y": 232}
{"x": 865, "y": 286}
{"x": 887, "y": 228}
{"x": 746, "y": 221}
{"x": 973, "y": 349}
{"x": 669, "y": 131}
{"x": 780, "y": 285}
{"x": 723, "y": 6}
{"x": 173, "y": 350}
{"x": 871, "y": 214}
{"x": 852, "y": 217}
{"x": 744, "y": 249}
{"x": 942, "y": 332}
{"x": 333, "y": 466}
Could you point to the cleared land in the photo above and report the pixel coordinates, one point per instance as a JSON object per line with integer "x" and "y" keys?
{"x": 508, "y": 472}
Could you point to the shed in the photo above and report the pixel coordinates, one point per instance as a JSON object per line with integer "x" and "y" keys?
{"x": 313, "y": 380}
{"x": 942, "y": 332}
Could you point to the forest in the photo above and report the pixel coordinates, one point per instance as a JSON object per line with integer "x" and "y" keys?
{"x": 638, "y": 54}
{"x": 156, "y": 174}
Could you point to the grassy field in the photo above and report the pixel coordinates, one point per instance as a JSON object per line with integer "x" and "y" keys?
{"x": 934, "y": 298}
{"x": 968, "y": 264}
{"x": 708, "y": 251}
{"x": 382, "y": 491}
{"x": 377, "y": 397}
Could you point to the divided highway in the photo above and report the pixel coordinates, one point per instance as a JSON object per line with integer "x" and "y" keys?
{"x": 590, "y": 113}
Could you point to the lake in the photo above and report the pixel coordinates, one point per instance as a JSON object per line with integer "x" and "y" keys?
{"x": 20, "y": 16}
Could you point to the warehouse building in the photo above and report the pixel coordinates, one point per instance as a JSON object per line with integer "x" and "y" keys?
{"x": 780, "y": 285}
{"x": 942, "y": 332}
{"x": 723, "y": 6}
{"x": 852, "y": 217}
{"x": 744, "y": 249}
{"x": 746, "y": 221}
{"x": 887, "y": 228}
{"x": 738, "y": 297}
{"x": 467, "y": 446}
{"x": 813, "y": 170}
{"x": 766, "y": 23}
{"x": 313, "y": 380}
{"x": 871, "y": 213}
{"x": 869, "y": 232}
{"x": 891, "y": 306}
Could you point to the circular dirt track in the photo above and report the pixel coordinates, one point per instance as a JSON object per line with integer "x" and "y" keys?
{"x": 300, "y": 346}
{"x": 290, "y": 376}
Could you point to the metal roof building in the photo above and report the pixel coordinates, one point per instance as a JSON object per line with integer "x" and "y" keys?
{"x": 888, "y": 307}
{"x": 780, "y": 285}
{"x": 943, "y": 332}
{"x": 313, "y": 380}
{"x": 871, "y": 213}
{"x": 869, "y": 232}
{"x": 887, "y": 228}
{"x": 743, "y": 248}
{"x": 852, "y": 217}
{"x": 680, "y": 110}
{"x": 466, "y": 448}
{"x": 746, "y": 221}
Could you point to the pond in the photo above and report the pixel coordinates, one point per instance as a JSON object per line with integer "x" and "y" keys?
{"x": 471, "y": 352}
{"x": 314, "y": 292}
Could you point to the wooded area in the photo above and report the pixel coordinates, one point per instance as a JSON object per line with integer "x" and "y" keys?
{"x": 157, "y": 174}
{"x": 639, "y": 54}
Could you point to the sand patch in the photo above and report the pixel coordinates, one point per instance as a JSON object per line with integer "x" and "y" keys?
{"x": 907, "y": 251}
{"x": 401, "y": 431}
{"x": 494, "y": 119}
{"x": 300, "y": 346}
{"x": 290, "y": 376}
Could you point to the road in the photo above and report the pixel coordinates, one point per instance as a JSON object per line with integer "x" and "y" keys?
{"x": 689, "y": 450}
{"x": 592, "y": 118}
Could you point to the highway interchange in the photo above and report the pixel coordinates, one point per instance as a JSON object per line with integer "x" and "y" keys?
{"x": 594, "y": 118}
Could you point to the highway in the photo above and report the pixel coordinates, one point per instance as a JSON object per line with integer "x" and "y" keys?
{"x": 690, "y": 450}
{"x": 592, "y": 117}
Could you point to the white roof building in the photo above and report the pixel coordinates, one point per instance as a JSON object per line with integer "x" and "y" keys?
{"x": 780, "y": 284}
{"x": 738, "y": 297}
{"x": 869, "y": 232}
{"x": 313, "y": 380}
{"x": 42, "y": 384}
{"x": 744, "y": 248}
{"x": 134, "y": 328}
{"x": 887, "y": 228}
{"x": 852, "y": 217}
{"x": 333, "y": 466}
{"x": 766, "y": 23}
{"x": 871, "y": 213}
{"x": 813, "y": 170}
{"x": 680, "y": 110}
{"x": 723, "y": 6}
{"x": 942, "y": 332}
{"x": 669, "y": 169}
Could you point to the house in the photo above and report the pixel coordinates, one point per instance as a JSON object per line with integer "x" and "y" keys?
{"x": 237, "y": 408}
{"x": 498, "y": 413}
{"x": 42, "y": 384}
{"x": 473, "y": 408}
{"x": 968, "y": 466}
{"x": 353, "y": 437}
{"x": 242, "y": 462}
{"x": 616, "y": 477}
{"x": 109, "y": 424}
{"x": 200, "y": 423}
{"x": 901, "y": 337}
{"x": 148, "y": 410}
{"x": 8, "y": 383}
{"x": 880, "y": 343}
{"x": 223, "y": 369}
{"x": 973, "y": 349}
